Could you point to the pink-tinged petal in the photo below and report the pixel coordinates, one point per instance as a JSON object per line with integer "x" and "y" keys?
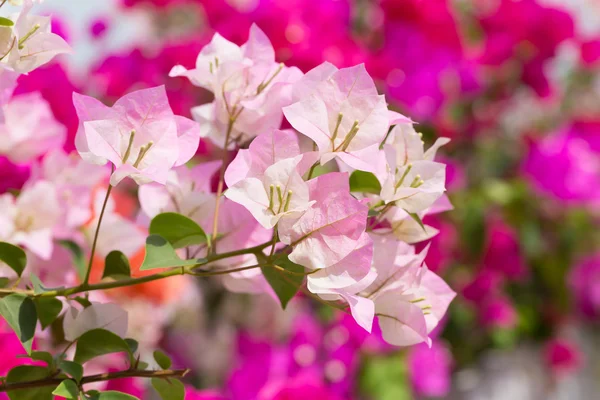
{"x": 38, "y": 242}
{"x": 258, "y": 47}
{"x": 154, "y": 199}
{"x": 310, "y": 118}
{"x": 309, "y": 82}
{"x": 271, "y": 147}
{"x": 328, "y": 231}
{"x": 40, "y": 49}
{"x": 104, "y": 142}
{"x": 362, "y": 309}
{"x": 437, "y": 292}
{"x": 251, "y": 194}
{"x": 349, "y": 271}
{"x": 402, "y": 323}
{"x": 407, "y": 143}
{"x": 239, "y": 168}
{"x": 122, "y": 172}
{"x": 205, "y": 116}
{"x": 369, "y": 159}
{"x": 188, "y": 139}
{"x": 397, "y": 118}
{"x": 202, "y": 174}
{"x": 442, "y": 204}
{"x": 144, "y": 106}
{"x": 431, "y": 152}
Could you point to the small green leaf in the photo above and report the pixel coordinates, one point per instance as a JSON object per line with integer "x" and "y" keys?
{"x": 133, "y": 344}
{"x": 160, "y": 254}
{"x": 78, "y": 256}
{"x": 40, "y": 356}
{"x": 285, "y": 285}
{"x": 4, "y": 282}
{"x": 67, "y": 389}
{"x": 418, "y": 220}
{"x": 48, "y": 309}
{"x": 19, "y": 311}
{"x": 38, "y": 286}
{"x": 13, "y": 256}
{"x": 83, "y": 301}
{"x": 116, "y": 265}
{"x": 6, "y": 22}
{"x": 24, "y": 373}
{"x": 142, "y": 365}
{"x": 71, "y": 368}
{"x": 177, "y": 229}
{"x": 172, "y": 389}
{"x": 114, "y": 395}
{"x": 364, "y": 182}
{"x": 162, "y": 359}
{"x": 98, "y": 342}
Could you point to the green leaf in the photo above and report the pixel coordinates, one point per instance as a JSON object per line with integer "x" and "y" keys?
{"x": 67, "y": 389}
{"x": 71, "y": 368}
{"x": 142, "y": 365}
{"x": 172, "y": 389}
{"x": 83, "y": 301}
{"x": 160, "y": 254}
{"x": 13, "y": 256}
{"x": 6, "y": 22}
{"x": 179, "y": 230}
{"x": 418, "y": 220}
{"x": 98, "y": 342}
{"x": 19, "y": 311}
{"x": 78, "y": 256}
{"x": 38, "y": 286}
{"x": 4, "y": 282}
{"x": 24, "y": 373}
{"x": 162, "y": 359}
{"x": 364, "y": 182}
{"x": 48, "y": 309}
{"x": 284, "y": 284}
{"x": 40, "y": 356}
{"x": 114, "y": 395}
{"x": 116, "y": 265}
{"x": 133, "y": 344}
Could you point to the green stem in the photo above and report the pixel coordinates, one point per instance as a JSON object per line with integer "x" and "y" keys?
{"x": 89, "y": 268}
{"x": 65, "y": 292}
{"x": 180, "y": 373}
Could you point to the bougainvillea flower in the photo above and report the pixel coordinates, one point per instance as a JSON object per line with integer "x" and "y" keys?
{"x": 140, "y": 135}
{"x": 329, "y": 230}
{"x": 412, "y": 307}
{"x": 29, "y": 128}
{"x": 29, "y": 219}
{"x": 270, "y": 186}
{"x": 249, "y": 86}
{"x": 343, "y": 114}
{"x": 30, "y": 42}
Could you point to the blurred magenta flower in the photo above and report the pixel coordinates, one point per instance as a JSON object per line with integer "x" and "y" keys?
{"x": 503, "y": 253}
{"x": 12, "y": 176}
{"x": 430, "y": 369}
{"x": 566, "y": 164}
{"x": 563, "y": 356}
{"x": 497, "y": 312}
{"x": 584, "y": 281}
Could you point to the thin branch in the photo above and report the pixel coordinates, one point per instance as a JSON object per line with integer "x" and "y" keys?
{"x": 51, "y": 381}
{"x": 65, "y": 292}
{"x": 89, "y": 268}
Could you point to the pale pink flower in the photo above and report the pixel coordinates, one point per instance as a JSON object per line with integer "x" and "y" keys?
{"x": 330, "y": 229}
{"x": 414, "y": 182}
{"x": 186, "y": 192}
{"x": 30, "y": 42}
{"x": 74, "y": 180}
{"x": 346, "y": 279}
{"x": 140, "y": 135}
{"x": 29, "y": 129}
{"x": 249, "y": 86}
{"x": 29, "y": 219}
{"x": 8, "y": 82}
{"x": 412, "y": 307}
{"x": 343, "y": 113}
{"x": 108, "y": 316}
{"x": 266, "y": 184}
